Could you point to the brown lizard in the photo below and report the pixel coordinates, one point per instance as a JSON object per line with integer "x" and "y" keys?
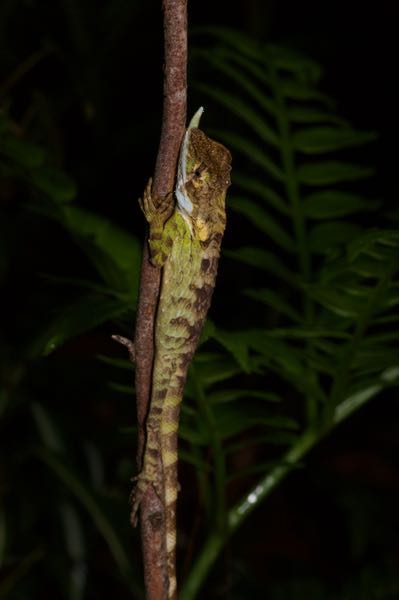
{"x": 184, "y": 240}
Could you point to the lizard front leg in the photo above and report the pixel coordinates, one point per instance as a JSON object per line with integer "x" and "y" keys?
{"x": 157, "y": 210}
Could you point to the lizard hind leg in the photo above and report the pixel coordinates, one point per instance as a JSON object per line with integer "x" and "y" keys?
{"x": 149, "y": 475}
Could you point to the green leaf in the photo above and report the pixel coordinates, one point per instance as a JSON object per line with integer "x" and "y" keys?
{"x": 81, "y": 284}
{"x": 192, "y": 459}
{"x": 236, "y": 343}
{"x": 296, "y": 90}
{"x": 320, "y": 366}
{"x": 241, "y": 44}
{"x": 302, "y": 68}
{"x": 358, "y": 399}
{"x": 324, "y": 237}
{"x": 328, "y": 348}
{"x": 260, "y": 467}
{"x": 308, "y": 333}
{"x": 370, "y": 359}
{"x": 234, "y": 419}
{"x": 97, "y": 514}
{"x": 115, "y": 362}
{"x": 281, "y": 57}
{"x": 193, "y": 436}
{"x": 220, "y": 60}
{"x": 48, "y": 431}
{"x": 260, "y": 190}
{"x": 387, "y": 320}
{"x": 115, "y": 253}
{"x": 275, "y": 301}
{"x": 73, "y": 533}
{"x": 21, "y": 151}
{"x": 229, "y": 395}
{"x": 54, "y": 183}
{"x": 385, "y": 337}
{"x": 277, "y": 437}
{"x": 366, "y": 266}
{"x": 263, "y": 221}
{"x": 207, "y": 331}
{"x": 82, "y": 315}
{"x": 245, "y": 112}
{"x": 370, "y": 241}
{"x": 122, "y": 389}
{"x": 328, "y": 204}
{"x": 278, "y": 356}
{"x": 336, "y": 301}
{"x": 316, "y": 140}
{"x": 326, "y": 173}
{"x": 220, "y": 369}
{"x": 309, "y": 114}
{"x": 262, "y": 259}
{"x": 286, "y": 358}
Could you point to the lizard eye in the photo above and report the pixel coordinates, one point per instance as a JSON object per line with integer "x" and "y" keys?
{"x": 198, "y": 171}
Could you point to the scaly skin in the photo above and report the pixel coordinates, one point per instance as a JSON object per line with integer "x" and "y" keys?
{"x": 184, "y": 240}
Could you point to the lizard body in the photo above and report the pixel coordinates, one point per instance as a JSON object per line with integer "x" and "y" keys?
{"x": 185, "y": 241}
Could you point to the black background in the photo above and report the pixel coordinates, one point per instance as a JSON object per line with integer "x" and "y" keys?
{"x": 100, "y": 93}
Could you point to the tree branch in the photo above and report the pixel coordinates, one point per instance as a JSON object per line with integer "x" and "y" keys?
{"x": 173, "y": 127}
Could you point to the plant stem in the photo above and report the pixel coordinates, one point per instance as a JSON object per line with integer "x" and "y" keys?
{"x": 291, "y": 183}
{"x": 258, "y": 493}
{"x": 293, "y": 195}
{"x": 238, "y": 513}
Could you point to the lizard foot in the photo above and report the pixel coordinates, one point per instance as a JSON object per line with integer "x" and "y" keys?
{"x": 156, "y": 208}
{"x": 142, "y": 481}
{"x": 136, "y": 497}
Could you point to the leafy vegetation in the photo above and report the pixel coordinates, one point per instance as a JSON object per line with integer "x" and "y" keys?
{"x": 309, "y": 338}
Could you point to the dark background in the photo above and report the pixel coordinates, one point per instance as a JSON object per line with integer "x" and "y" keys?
{"x": 95, "y": 98}
{"x": 105, "y": 84}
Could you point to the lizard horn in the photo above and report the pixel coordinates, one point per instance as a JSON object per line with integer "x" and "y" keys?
{"x": 196, "y": 118}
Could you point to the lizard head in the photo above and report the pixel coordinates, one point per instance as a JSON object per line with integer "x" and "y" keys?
{"x": 202, "y": 181}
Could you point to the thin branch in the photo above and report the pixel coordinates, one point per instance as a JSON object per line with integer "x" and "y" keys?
{"x": 173, "y": 126}
{"x": 128, "y": 344}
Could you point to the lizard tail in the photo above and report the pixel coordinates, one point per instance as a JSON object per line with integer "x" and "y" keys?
{"x": 169, "y": 426}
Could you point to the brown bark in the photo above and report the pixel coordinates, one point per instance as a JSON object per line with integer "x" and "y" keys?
{"x": 173, "y": 127}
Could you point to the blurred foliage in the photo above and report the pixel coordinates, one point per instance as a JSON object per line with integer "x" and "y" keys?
{"x": 303, "y": 336}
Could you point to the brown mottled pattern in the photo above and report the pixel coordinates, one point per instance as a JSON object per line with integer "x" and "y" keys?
{"x": 188, "y": 281}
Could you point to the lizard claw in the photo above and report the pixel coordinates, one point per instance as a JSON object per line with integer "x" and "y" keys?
{"x": 135, "y": 499}
{"x": 146, "y": 203}
{"x": 156, "y": 208}
{"x": 136, "y": 495}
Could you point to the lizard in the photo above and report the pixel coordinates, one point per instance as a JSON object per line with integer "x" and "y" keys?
{"x": 185, "y": 235}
